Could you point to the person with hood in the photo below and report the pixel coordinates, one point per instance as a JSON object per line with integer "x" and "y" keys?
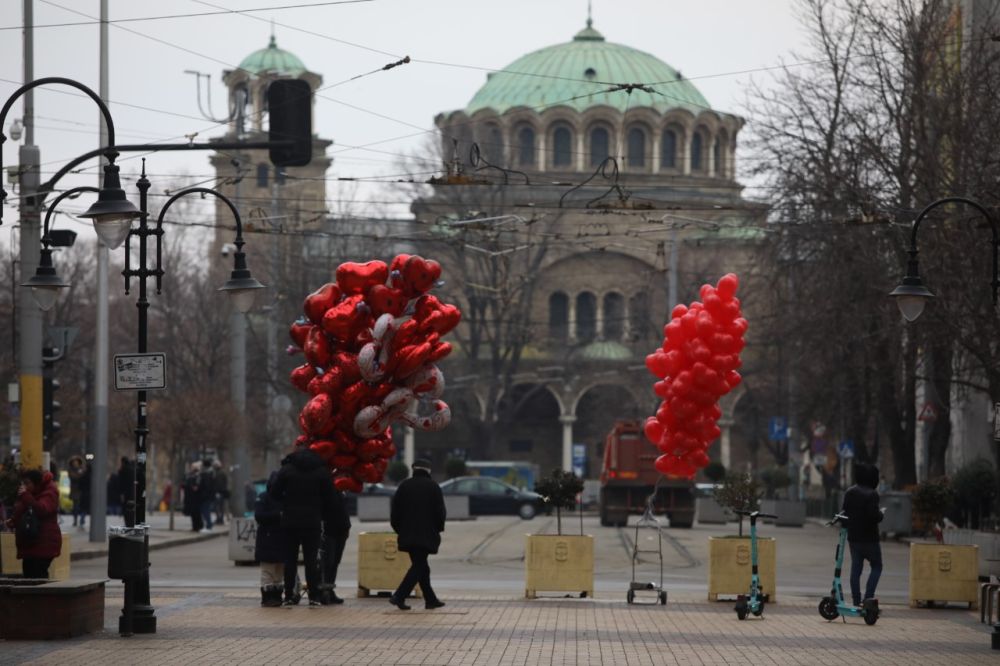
{"x": 417, "y": 515}
{"x": 192, "y": 496}
{"x": 863, "y": 516}
{"x": 336, "y": 529}
{"x": 305, "y": 490}
{"x": 37, "y": 506}
{"x": 269, "y": 548}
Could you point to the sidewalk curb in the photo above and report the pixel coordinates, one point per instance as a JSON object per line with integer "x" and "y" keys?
{"x": 180, "y": 541}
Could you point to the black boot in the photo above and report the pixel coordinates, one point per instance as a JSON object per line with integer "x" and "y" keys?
{"x": 271, "y": 596}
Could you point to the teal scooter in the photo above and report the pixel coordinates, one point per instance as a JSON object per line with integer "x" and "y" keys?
{"x": 834, "y": 606}
{"x": 754, "y": 602}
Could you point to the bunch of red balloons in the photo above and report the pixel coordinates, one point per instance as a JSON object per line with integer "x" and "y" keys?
{"x": 370, "y": 341}
{"x": 696, "y": 366}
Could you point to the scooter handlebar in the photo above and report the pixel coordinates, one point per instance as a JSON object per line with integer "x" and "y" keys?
{"x": 839, "y": 518}
{"x": 757, "y": 514}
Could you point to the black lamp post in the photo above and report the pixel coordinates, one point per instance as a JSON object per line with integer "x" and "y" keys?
{"x": 911, "y": 295}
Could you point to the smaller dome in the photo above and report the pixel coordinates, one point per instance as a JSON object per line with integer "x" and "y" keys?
{"x": 607, "y": 350}
{"x": 272, "y": 59}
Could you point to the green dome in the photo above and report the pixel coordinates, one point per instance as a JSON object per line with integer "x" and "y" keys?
{"x": 272, "y": 59}
{"x": 607, "y": 350}
{"x": 562, "y": 75}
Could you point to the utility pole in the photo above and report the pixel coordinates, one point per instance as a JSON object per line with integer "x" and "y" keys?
{"x": 238, "y": 389}
{"x": 99, "y": 429}
{"x": 30, "y": 323}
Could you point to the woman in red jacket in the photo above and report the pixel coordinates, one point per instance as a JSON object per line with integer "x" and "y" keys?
{"x": 41, "y": 495}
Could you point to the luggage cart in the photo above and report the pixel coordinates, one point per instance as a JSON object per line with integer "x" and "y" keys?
{"x": 645, "y": 526}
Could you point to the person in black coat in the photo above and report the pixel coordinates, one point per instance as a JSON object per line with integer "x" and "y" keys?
{"x": 269, "y": 546}
{"x": 417, "y": 515}
{"x": 863, "y": 516}
{"x": 336, "y": 529}
{"x": 305, "y": 490}
{"x": 192, "y": 497}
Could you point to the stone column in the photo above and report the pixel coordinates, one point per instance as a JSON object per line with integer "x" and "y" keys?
{"x": 571, "y": 319}
{"x": 685, "y": 153}
{"x": 656, "y": 148}
{"x": 725, "y": 453}
{"x": 599, "y": 318}
{"x": 567, "y": 421}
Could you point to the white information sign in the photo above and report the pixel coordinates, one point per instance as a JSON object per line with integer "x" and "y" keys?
{"x": 140, "y": 372}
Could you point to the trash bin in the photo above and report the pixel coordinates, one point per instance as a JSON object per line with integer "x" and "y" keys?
{"x": 127, "y": 551}
{"x": 898, "y": 519}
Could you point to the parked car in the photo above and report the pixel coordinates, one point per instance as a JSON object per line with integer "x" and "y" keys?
{"x": 489, "y": 496}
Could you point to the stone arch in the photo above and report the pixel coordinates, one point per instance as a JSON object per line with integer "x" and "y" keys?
{"x": 534, "y": 434}
{"x": 596, "y": 407}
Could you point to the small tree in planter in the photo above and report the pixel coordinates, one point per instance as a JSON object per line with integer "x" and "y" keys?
{"x": 560, "y": 489}
{"x": 774, "y": 480}
{"x": 454, "y": 467}
{"x": 738, "y": 492}
{"x": 932, "y": 499}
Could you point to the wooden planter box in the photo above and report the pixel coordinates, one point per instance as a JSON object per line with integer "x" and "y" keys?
{"x": 554, "y": 563}
{"x": 941, "y": 573}
{"x": 729, "y": 566}
{"x": 11, "y": 566}
{"x": 381, "y": 565}
{"x": 33, "y": 610}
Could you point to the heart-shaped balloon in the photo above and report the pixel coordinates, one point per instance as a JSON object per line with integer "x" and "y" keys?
{"x": 321, "y": 300}
{"x": 383, "y": 299}
{"x": 345, "y": 320}
{"x": 358, "y": 278}
{"x": 299, "y": 331}
{"x": 302, "y": 375}
{"x": 420, "y": 274}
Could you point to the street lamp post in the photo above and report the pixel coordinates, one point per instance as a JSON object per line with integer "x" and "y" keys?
{"x": 112, "y": 216}
{"x": 911, "y": 295}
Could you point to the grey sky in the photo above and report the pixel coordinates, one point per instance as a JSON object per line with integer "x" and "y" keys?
{"x": 710, "y": 41}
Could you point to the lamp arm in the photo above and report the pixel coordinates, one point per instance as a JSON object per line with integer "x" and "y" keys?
{"x": 204, "y": 190}
{"x": 995, "y": 283}
{"x": 109, "y": 152}
{"x": 65, "y": 195}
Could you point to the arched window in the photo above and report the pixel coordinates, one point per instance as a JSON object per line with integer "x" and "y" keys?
{"x": 493, "y": 148}
{"x": 600, "y": 145}
{"x": 614, "y": 316}
{"x": 558, "y": 316}
{"x": 636, "y": 148}
{"x": 562, "y": 147}
{"x": 262, "y": 173}
{"x": 696, "y": 160}
{"x": 526, "y": 146}
{"x": 668, "y": 150}
{"x": 722, "y": 155}
{"x": 638, "y": 316}
{"x": 586, "y": 316}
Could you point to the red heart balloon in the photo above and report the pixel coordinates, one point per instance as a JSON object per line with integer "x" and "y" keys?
{"x": 325, "y": 449}
{"x": 328, "y": 382}
{"x": 299, "y": 331}
{"x": 302, "y": 375}
{"x": 345, "y": 320}
{"x": 347, "y": 484}
{"x": 313, "y": 417}
{"x": 358, "y": 278}
{"x": 317, "y": 348}
{"x": 383, "y": 299}
{"x": 321, "y": 300}
{"x": 343, "y": 461}
{"x": 420, "y": 274}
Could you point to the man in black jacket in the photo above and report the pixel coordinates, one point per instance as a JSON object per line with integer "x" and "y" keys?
{"x": 863, "y": 516}
{"x": 336, "y": 529}
{"x": 305, "y": 491}
{"x": 417, "y": 516}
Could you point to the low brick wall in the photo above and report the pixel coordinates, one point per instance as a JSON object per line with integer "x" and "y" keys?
{"x": 42, "y": 610}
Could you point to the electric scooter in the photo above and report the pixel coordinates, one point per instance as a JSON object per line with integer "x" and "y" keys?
{"x": 754, "y": 602}
{"x": 834, "y": 605}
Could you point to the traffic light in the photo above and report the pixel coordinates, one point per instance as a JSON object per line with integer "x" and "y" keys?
{"x": 289, "y": 104}
{"x": 50, "y": 426}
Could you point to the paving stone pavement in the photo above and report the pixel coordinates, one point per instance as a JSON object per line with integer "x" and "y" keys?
{"x": 217, "y": 627}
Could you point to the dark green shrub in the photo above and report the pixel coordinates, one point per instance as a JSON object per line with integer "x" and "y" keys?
{"x": 738, "y": 492}
{"x": 932, "y": 499}
{"x": 975, "y": 487}
{"x": 560, "y": 490}
{"x": 454, "y": 467}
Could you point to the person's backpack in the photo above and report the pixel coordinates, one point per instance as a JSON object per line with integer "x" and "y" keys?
{"x": 28, "y": 527}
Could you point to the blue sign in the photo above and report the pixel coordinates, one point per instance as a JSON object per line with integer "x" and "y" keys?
{"x": 846, "y": 448}
{"x": 579, "y": 459}
{"x": 777, "y": 430}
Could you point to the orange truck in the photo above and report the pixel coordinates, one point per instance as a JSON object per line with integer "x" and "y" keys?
{"x": 628, "y": 478}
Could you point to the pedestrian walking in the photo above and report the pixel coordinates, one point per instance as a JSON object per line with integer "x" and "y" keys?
{"x": 305, "y": 490}
{"x": 126, "y": 485}
{"x": 35, "y": 522}
{"x": 336, "y": 529}
{"x": 206, "y": 494}
{"x": 417, "y": 515}
{"x": 863, "y": 516}
{"x": 269, "y": 547}
{"x": 79, "y": 490}
{"x": 192, "y": 496}
{"x": 113, "y": 494}
{"x": 221, "y": 491}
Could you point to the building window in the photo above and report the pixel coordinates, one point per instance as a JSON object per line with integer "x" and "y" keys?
{"x": 668, "y": 150}
{"x": 614, "y": 316}
{"x": 636, "y": 148}
{"x": 262, "y": 173}
{"x": 696, "y": 152}
{"x": 562, "y": 147}
{"x": 600, "y": 145}
{"x": 638, "y": 316}
{"x": 721, "y": 166}
{"x": 586, "y": 317}
{"x": 493, "y": 150}
{"x": 558, "y": 316}
{"x": 526, "y": 146}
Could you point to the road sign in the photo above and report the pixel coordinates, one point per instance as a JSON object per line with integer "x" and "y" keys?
{"x": 777, "y": 430}
{"x": 579, "y": 459}
{"x": 846, "y": 448}
{"x": 928, "y": 413}
{"x": 140, "y": 372}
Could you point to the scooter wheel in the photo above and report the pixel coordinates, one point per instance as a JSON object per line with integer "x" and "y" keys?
{"x": 760, "y": 609}
{"x": 828, "y": 609}
{"x": 663, "y": 597}
{"x": 870, "y": 612}
{"x": 630, "y": 597}
{"x": 741, "y": 610}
